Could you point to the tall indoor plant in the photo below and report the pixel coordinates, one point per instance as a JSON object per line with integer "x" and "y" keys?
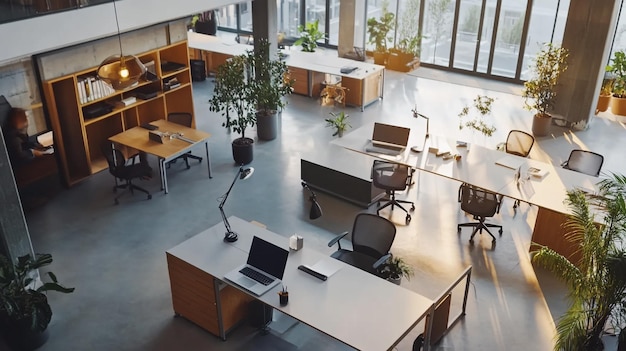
{"x": 618, "y": 69}
{"x": 309, "y": 35}
{"x": 378, "y": 30}
{"x": 596, "y": 274}
{"x": 233, "y": 97}
{"x": 24, "y": 309}
{"x": 539, "y": 92}
{"x": 272, "y": 83}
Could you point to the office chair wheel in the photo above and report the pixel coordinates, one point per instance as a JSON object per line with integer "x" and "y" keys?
{"x": 149, "y": 196}
{"x": 412, "y": 207}
{"x": 408, "y": 219}
{"x": 499, "y": 231}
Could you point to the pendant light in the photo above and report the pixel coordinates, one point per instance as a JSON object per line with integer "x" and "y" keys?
{"x": 118, "y": 70}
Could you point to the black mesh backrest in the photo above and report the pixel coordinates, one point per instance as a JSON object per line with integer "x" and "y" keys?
{"x": 585, "y": 162}
{"x": 477, "y": 201}
{"x": 182, "y": 118}
{"x": 389, "y": 175}
{"x": 115, "y": 158}
{"x": 372, "y": 235}
{"x": 519, "y": 143}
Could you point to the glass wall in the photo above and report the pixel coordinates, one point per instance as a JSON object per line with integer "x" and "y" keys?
{"x": 15, "y": 10}
{"x": 437, "y": 31}
{"x": 288, "y": 17}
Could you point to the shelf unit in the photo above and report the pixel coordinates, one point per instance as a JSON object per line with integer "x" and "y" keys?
{"x": 79, "y": 139}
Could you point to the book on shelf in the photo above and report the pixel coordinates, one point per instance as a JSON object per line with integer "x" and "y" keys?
{"x": 91, "y": 89}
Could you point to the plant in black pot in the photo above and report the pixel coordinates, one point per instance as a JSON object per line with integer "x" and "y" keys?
{"x": 205, "y": 23}
{"x": 24, "y": 309}
{"x": 272, "y": 83}
{"x": 233, "y": 97}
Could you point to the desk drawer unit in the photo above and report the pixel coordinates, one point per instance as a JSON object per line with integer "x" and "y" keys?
{"x": 301, "y": 80}
{"x": 363, "y": 92}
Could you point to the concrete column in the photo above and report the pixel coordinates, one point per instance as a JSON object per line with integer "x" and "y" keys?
{"x": 588, "y": 35}
{"x": 15, "y": 240}
{"x": 346, "y": 26}
{"x": 265, "y": 23}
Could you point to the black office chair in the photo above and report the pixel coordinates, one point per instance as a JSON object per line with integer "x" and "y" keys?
{"x": 372, "y": 237}
{"x": 584, "y": 162}
{"x": 392, "y": 177}
{"x": 481, "y": 204}
{"x": 184, "y": 119}
{"x": 124, "y": 172}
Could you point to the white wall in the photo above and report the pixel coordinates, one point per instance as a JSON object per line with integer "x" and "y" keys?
{"x": 40, "y": 34}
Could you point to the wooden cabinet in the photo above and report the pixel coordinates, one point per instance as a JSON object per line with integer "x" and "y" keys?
{"x": 79, "y": 136}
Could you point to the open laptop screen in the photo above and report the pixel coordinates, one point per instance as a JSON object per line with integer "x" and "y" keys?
{"x": 389, "y": 134}
{"x": 268, "y": 257}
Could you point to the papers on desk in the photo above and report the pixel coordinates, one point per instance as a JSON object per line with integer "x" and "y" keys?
{"x": 326, "y": 267}
{"x": 537, "y": 172}
{"x": 45, "y": 139}
{"x": 512, "y": 162}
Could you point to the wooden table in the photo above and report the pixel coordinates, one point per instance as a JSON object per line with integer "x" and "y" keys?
{"x": 138, "y": 138}
{"x": 365, "y": 85}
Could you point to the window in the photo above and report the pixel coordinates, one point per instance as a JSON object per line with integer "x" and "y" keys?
{"x": 288, "y": 17}
{"x": 245, "y": 16}
{"x": 227, "y": 17}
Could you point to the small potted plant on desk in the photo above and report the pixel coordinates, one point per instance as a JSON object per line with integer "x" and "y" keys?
{"x": 205, "y": 23}
{"x": 272, "y": 83}
{"x": 24, "y": 309}
{"x": 378, "y": 30}
{"x": 339, "y": 122}
{"x": 539, "y": 92}
{"x": 234, "y": 95}
{"x": 395, "y": 268}
{"x": 309, "y": 35}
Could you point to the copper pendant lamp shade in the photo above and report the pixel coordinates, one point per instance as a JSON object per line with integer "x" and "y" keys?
{"x": 121, "y": 71}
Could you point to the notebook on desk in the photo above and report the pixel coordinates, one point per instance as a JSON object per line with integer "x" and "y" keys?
{"x": 388, "y": 139}
{"x": 263, "y": 270}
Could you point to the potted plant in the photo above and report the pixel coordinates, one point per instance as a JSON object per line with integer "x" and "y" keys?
{"x": 395, "y": 268}
{"x": 618, "y": 69}
{"x": 270, "y": 86}
{"x": 309, "y": 35}
{"x": 378, "y": 30}
{"x": 480, "y": 109}
{"x": 24, "y": 309}
{"x": 539, "y": 92}
{"x": 405, "y": 57}
{"x": 205, "y": 23}
{"x": 233, "y": 97}
{"x": 339, "y": 122}
{"x": 605, "y": 91}
{"x": 596, "y": 275}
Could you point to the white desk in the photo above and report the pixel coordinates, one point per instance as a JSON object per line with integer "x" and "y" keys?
{"x": 365, "y": 84}
{"x": 355, "y": 307}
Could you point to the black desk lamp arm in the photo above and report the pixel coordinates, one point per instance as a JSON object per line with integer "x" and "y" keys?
{"x": 224, "y": 198}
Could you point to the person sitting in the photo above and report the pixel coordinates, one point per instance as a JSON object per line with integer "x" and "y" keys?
{"x": 20, "y": 146}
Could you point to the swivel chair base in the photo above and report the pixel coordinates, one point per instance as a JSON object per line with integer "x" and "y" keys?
{"x": 478, "y": 228}
{"x": 393, "y": 202}
{"x": 129, "y": 187}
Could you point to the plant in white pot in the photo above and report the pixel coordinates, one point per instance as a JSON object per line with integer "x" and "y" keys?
{"x": 395, "y": 268}
{"x": 272, "y": 83}
{"x": 233, "y": 97}
{"x": 539, "y": 92}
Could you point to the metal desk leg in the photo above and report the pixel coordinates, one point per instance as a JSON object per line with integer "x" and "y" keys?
{"x": 382, "y": 85}
{"x": 115, "y": 162}
{"x": 208, "y": 160}
{"x": 429, "y": 328}
{"x": 164, "y": 177}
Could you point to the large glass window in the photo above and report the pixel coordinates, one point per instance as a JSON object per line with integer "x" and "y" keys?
{"x": 375, "y": 9}
{"x": 508, "y": 39}
{"x": 245, "y": 16}
{"x": 333, "y": 22}
{"x": 437, "y": 30}
{"x": 288, "y": 17}
{"x": 227, "y": 17}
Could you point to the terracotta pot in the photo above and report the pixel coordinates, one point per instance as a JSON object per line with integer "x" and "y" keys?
{"x": 380, "y": 58}
{"x": 618, "y": 105}
{"x": 541, "y": 124}
{"x": 603, "y": 103}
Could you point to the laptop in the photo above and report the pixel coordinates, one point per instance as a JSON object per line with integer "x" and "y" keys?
{"x": 389, "y": 137}
{"x": 263, "y": 270}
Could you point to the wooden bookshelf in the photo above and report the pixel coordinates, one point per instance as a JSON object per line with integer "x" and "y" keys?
{"x": 79, "y": 138}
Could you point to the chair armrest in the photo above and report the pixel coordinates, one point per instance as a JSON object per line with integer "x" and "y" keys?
{"x": 336, "y": 239}
{"x": 564, "y": 164}
{"x": 381, "y": 261}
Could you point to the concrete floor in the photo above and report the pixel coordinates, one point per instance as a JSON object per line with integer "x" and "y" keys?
{"x": 115, "y": 255}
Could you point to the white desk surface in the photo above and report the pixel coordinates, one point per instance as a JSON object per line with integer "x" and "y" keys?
{"x": 355, "y": 307}
{"x": 312, "y": 61}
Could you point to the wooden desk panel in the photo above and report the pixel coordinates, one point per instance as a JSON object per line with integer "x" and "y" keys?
{"x": 362, "y": 92}
{"x": 301, "y": 80}
{"x": 549, "y": 231}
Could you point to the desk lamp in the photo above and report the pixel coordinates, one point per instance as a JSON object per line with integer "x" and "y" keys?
{"x": 230, "y": 236}
{"x": 316, "y": 210}
{"x": 416, "y": 114}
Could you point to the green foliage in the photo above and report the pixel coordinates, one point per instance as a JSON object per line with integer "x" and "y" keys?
{"x": 395, "y": 268}
{"x": 272, "y": 82}
{"x": 20, "y": 303}
{"x": 607, "y": 83}
{"x": 411, "y": 45}
{"x": 618, "y": 68}
{"x": 309, "y": 35}
{"x": 513, "y": 34}
{"x": 234, "y": 94}
{"x": 408, "y": 28}
{"x": 481, "y": 108}
{"x": 378, "y": 29}
{"x": 539, "y": 93}
{"x": 597, "y": 280}
{"x": 339, "y": 122}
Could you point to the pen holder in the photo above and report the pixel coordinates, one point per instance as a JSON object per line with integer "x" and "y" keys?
{"x": 284, "y": 298}
{"x": 296, "y": 242}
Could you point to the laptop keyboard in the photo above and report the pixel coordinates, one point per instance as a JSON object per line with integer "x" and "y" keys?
{"x": 383, "y": 150}
{"x": 254, "y": 275}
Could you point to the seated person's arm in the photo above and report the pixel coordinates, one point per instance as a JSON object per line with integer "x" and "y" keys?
{"x": 17, "y": 152}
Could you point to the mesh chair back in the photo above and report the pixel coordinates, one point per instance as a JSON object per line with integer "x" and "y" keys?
{"x": 519, "y": 143}
{"x": 372, "y": 235}
{"x": 478, "y": 202}
{"x": 115, "y": 158}
{"x": 389, "y": 175}
{"x": 585, "y": 162}
{"x": 182, "y": 118}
